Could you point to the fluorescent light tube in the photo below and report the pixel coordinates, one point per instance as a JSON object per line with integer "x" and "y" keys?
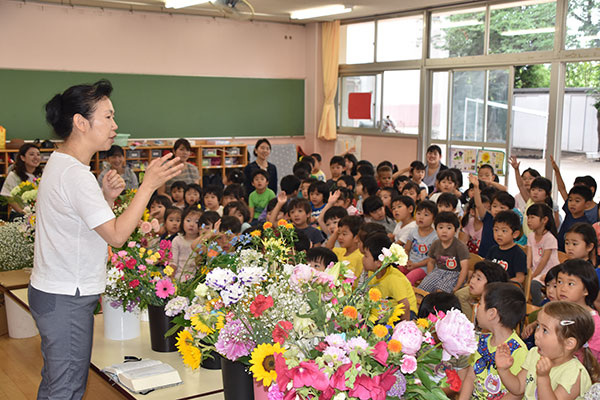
{"x": 183, "y": 3}
{"x": 527, "y": 31}
{"x": 320, "y": 11}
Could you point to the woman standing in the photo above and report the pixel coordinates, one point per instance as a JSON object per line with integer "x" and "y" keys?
{"x": 434, "y": 166}
{"x": 182, "y": 150}
{"x": 74, "y": 225}
{"x": 262, "y": 150}
{"x": 27, "y": 168}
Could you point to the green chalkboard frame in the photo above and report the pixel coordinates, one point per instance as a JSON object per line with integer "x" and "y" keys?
{"x": 161, "y": 106}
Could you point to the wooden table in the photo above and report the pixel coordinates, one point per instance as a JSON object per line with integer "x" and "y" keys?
{"x": 201, "y": 383}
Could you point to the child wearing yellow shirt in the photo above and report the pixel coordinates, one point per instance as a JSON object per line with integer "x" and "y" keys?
{"x": 347, "y": 237}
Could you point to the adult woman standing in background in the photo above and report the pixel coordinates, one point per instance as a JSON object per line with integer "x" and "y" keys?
{"x": 262, "y": 150}
{"x": 182, "y": 149}
{"x": 27, "y": 168}
{"x": 74, "y": 223}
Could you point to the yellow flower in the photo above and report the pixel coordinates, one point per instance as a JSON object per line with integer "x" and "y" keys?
{"x": 380, "y": 331}
{"x": 149, "y": 252}
{"x": 168, "y": 271}
{"x": 394, "y": 346}
{"x": 184, "y": 338}
{"x": 423, "y": 323}
{"x": 192, "y": 356}
{"x": 396, "y": 314}
{"x": 374, "y": 294}
{"x": 142, "y": 250}
{"x": 146, "y": 215}
{"x": 155, "y": 274}
{"x": 374, "y": 315}
{"x": 220, "y": 321}
{"x": 350, "y": 312}
{"x": 255, "y": 233}
{"x": 200, "y": 326}
{"x": 262, "y": 362}
{"x": 289, "y": 226}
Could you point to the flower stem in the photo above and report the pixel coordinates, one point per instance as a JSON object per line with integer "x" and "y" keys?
{"x": 429, "y": 351}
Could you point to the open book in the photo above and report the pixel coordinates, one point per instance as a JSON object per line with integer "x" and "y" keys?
{"x": 143, "y": 376}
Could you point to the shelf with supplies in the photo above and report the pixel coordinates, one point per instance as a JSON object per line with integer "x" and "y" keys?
{"x": 9, "y": 156}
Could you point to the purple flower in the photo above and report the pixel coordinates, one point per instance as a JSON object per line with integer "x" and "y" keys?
{"x": 234, "y": 341}
{"x": 275, "y": 393}
{"x": 398, "y": 389}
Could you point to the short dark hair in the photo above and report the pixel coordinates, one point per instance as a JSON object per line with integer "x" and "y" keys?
{"x": 391, "y": 190}
{"x": 486, "y": 166}
{"x": 588, "y": 233}
{"x": 532, "y": 172}
{"x": 182, "y": 142}
{"x": 492, "y": 271}
{"x": 179, "y": 185}
{"x": 208, "y": 218}
{"x": 588, "y": 181}
{"x": 79, "y": 99}
{"x": 230, "y": 223}
{"x": 353, "y": 222}
{"x": 582, "y": 191}
{"x": 459, "y": 176}
{"x": 349, "y": 180}
{"x": 115, "y": 150}
{"x": 236, "y": 176}
{"x": 260, "y": 172}
{"x": 542, "y": 183}
{"x": 447, "y": 199}
{"x": 189, "y": 210}
{"x": 406, "y": 200}
{"x": 300, "y": 203}
{"x": 302, "y": 170}
{"x": 161, "y": 199}
{"x": 417, "y": 166}
{"x": 436, "y": 148}
{"x": 213, "y": 189}
{"x": 240, "y": 206}
{"x": 446, "y": 217}
{"x": 320, "y": 187}
{"x": 321, "y": 254}
{"x": 509, "y": 218}
{"x": 369, "y": 184}
{"x": 371, "y": 204}
{"x": 346, "y": 193}
{"x": 259, "y": 142}
{"x": 508, "y": 300}
{"x": 173, "y": 210}
{"x": 317, "y": 157}
{"x": 552, "y": 274}
{"x": 585, "y": 271}
{"x": 337, "y": 160}
{"x": 303, "y": 242}
{"x": 447, "y": 174}
{"x": 289, "y": 184}
{"x": 505, "y": 199}
{"x": 365, "y": 170}
{"x": 335, "y": 212}
{"x": 429, "y": 206}
{"x": 193, "y": 186}
{"x": 273, "y": 203}
{"x": 436, "y": 302}
{"x": 375, "y": 243}
{"x": 385, "y": 168}
{"x": 236, "y": 190}
{"x": 368, "y": 229}
{"x": 309, "y": 160}
{"x": 411, "y": 185}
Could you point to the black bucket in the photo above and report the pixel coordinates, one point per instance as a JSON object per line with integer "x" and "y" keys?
{"x": 237, "y": 381}
{"x": 159, "y": 324}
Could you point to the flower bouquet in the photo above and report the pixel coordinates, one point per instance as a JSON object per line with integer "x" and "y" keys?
{"x": 24, "y": 194}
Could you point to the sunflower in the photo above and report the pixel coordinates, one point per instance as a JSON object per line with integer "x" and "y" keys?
{"x": 262, "y": 362}
{"x": 192, "y": 357}
{"x": 200, "y": 326}
{"x": 396, "y": 314}
{"x": 184, "y": 338}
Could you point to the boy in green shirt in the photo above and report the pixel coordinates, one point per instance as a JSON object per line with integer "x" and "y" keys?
{"x": 261, "y": 196}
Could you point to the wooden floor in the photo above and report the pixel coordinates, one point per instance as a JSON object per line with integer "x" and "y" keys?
{"x": 20, "y": 365}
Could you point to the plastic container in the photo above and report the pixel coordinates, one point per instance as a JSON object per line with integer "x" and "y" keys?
{"x": 121, "y": 139}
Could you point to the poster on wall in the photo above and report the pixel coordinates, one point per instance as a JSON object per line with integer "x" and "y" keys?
{"x": 463, "y": 158}
{"x": 348, "y": 144}
{"x": 495, "y": 158}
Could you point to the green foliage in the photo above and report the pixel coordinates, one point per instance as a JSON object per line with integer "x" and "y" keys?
{"x": 581, "y": 12}
{"x": 583, "y": 75}
{"x": 532, "y": 76}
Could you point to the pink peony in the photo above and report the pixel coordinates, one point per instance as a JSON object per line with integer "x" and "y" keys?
{"x": 142, "y": 267}
{"x": 122, "y": 253}
{"x": 145, "y": 227}
{"x": 164, "y": 288}
{"x": 302, "y": 273}
{"x": 131, "y": 244}
{"x": 155, "y": 225}
{"x": 409, "y": 364}
{"x": 380, "y": 353}
{"x": 456, "y": 333}
{"x": 409, "y": 334}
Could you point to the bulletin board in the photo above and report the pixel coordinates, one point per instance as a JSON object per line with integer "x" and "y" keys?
{"x": 468, "y": 159}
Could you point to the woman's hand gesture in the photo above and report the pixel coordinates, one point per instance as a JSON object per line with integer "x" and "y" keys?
{"x": 160, "y": 170}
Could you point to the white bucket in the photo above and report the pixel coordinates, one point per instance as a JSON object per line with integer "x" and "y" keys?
{"x": 20, "y": 322}
{"x": 119, "y": 324}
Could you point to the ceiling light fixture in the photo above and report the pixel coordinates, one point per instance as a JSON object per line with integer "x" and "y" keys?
{"x": 320, "y": 11}
{"x": 183, "y": 3}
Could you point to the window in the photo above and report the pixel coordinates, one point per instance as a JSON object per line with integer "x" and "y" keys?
{"x": 583, "y": 24}
{"x": 528, "y": 26}
{"x": 401, "y": 100}
{"x": 457, "y": 33}
{"x": 355, "y": 90}
{"x": 357, "y": 43}
{"x": 390, "y": 48}
{"x": 439, "y": 105}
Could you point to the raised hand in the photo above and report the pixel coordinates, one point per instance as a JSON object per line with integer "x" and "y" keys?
{"x": 281, "y": 197}
{"x": 503, "y": 358}
{"x": 543, "y": 367}
{"x": 112, "y": 185}
{"x": 160, "y": 170}
{"x": 474, "y": 180}
{"x": 554, "y": 164}
{"x": 528, "y": 330}
{"x": 335, "y": 196}
{"x": 512, "y": 160}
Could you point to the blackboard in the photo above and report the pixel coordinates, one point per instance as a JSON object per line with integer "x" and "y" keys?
{"x": 160, "y": 106}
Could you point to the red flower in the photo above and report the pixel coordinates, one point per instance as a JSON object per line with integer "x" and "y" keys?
{"x": 321, "y": 347}
{"x": 338, "y": 379}
{"x": 453, "y": 380}
{"x": 280, "y": 333}
{"x": 283, "y": 377}
{"x": 130, "y": 263}
{"x": 380, "y": 353}
{"x": 134, "y": 283}
{"x": 260, "y": 305}
{"x": 165, "y": 244}
{"x": 120, "y": 266}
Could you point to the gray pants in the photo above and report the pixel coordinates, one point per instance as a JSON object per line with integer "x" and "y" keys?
{"x": 66, "y": 325}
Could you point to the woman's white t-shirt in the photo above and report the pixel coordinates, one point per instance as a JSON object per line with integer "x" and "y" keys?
{"x": 12, "y": 181}
{"x": 69, "y": 254}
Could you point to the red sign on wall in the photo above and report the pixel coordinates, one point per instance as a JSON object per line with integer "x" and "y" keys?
{"x": 359, "y": 105}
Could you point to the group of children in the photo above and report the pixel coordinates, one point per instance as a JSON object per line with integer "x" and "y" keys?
{"x": 520, "y": 240}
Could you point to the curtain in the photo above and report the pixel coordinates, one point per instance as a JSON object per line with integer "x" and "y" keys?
{"x": 330, "y": 42}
